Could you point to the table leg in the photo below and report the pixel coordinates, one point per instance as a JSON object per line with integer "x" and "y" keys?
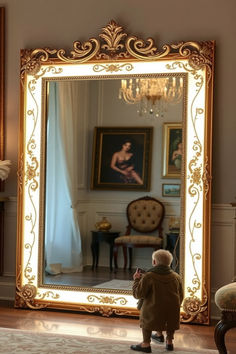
{"x": 97, "y": 253}
{"x": 111, "y": 254}
{"x": 93, "y": 253}
{"x": 125, "y": 256}
{"x": 130, "y": 257}
{"x": 115, "y": 251}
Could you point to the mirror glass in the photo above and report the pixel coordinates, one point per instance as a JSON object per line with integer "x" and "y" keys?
{"x": 56, "y": 161}
{"x": 71, "y": 264}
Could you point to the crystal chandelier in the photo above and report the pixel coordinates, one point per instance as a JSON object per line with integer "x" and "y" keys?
{"x": 152, "y": 95}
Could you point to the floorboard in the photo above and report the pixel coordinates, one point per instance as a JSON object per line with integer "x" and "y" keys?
{"x": 89, "y": 277}
{"x": 116, "y": 328}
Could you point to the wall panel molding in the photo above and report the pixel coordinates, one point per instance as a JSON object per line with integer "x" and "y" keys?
{"x": 83, "y": 138}
{"x": 223, "y": 250}
{"x": 223, "y": 239}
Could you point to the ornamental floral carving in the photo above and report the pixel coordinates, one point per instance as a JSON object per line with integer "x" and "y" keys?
{"x": 115, "y": 44}
{"x": 108, "y": 311}
{"x": 25, "y": 297}
{"x": 112, "y": 67}
{"x": 107, "y": 299}
{"x": 113, "y": 37}
{"x": 195, "y": 310}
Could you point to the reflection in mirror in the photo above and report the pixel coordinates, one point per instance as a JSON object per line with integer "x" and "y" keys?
{"x": 67, "y": 250}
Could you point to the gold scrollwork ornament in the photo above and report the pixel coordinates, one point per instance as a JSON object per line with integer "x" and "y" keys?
{"x": 206, "y": 178}
{"x": 20, "y": 172}
{"x": 195, "y": 310}
{"x": 25, "y": 296}
{"x": 107, "y": 311}
{"x": 112, "y": 67}
{"x": 115, "y": 44}
{"x": 107, "y": 299}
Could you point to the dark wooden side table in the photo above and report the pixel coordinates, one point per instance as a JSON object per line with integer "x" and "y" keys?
{"x": 173, "y": 246}
{"x": 99, "y": 236}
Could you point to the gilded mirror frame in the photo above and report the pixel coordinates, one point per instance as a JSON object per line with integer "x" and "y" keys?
{"x": 117, "y": 54}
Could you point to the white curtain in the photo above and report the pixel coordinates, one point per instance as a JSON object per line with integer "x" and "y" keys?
{"x": 63, "y": 253}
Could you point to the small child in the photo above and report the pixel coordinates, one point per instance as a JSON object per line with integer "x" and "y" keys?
{"x": 161, "y": 293}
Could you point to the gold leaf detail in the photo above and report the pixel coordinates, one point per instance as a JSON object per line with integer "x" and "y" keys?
{"x": 25, "y": 295}
{"x": 20, "y": 173}
{"x": 107, "y": 299}
{"x": 199, "y": 54}
{"x": 140, "y": 49}
{"x": 28, "y": 292}
{"x": 112, "y": 67}
{"x": 206, "y": 178}
{"x": 195, "y": 309}
{"x": 29, "y": 64}
{"x": 196, "y": 176}
{"x": 31, "y": 175}
{"x": 112, "y": 35}
{"x": 48, "y": 69}
{"x": 114, "y": 43}
{"x": 31, "y": 60}
{"x": 48, "y": 294}
{"x": 108, "y": 311}
{"x": 82, "y": 51}
{"x": 31, "y": 171}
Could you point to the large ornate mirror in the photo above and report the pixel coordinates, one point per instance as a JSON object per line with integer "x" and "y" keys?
{"x": 84, "y": 89}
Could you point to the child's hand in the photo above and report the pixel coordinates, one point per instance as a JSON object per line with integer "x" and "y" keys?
{"x": 137, "y": 275}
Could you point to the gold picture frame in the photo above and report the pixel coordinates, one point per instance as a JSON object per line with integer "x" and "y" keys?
{"x": 171, "y": 190}
{"x": 108, "y": 171}
{"x": 172, "y": 150}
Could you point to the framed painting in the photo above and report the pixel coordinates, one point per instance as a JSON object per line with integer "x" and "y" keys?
{"x": 171, "y": 190}
{"x": 122, "y": 158}
{"x": 172, "y": 150}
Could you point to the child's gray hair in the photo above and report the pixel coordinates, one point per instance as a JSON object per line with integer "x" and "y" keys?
{"x": 162, "y": 257}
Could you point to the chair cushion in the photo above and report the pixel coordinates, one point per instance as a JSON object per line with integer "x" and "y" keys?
{"x": 145, "y": 215}
{"x": 139, "y": 239}
{"x": 225, "y": 297}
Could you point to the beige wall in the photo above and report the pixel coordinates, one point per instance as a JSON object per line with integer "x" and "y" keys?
{"x": 57, "y": 23}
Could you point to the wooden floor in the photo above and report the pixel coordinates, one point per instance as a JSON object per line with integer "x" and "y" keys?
{"x": 116, "y": 328}
{"x": 89, "y": 277}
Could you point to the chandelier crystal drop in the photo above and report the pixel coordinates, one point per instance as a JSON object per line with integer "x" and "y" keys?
{"x": 152, "y": 95}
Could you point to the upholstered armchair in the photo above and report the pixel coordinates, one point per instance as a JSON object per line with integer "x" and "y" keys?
{"x": 145, "y": 215}
{"x": 225, "y": 299}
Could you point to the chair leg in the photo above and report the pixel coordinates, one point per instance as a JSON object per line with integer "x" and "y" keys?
{"x": 219, "y": 335}
{"x": 130, "y": 257}
{"x": 115, "y": 254}
{"x": 125, "y": 256}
